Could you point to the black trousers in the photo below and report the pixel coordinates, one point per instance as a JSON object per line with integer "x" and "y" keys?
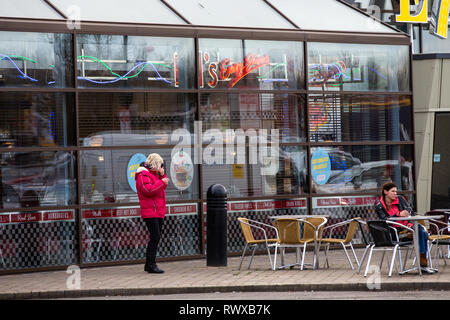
{"x": 154, "y": 226}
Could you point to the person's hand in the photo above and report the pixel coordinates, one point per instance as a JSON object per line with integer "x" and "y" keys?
{"x": 404, "y": 213}
{"x": 161, "y": 171}
{"x": 166, "y": 181}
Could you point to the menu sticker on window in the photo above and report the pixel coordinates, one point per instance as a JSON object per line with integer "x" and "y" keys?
{"x": 320, "y": 166}
{"x": 133, "y": 165}
{"x": 181, "y": 170}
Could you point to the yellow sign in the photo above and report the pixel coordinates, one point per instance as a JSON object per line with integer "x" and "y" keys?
{"x": 439, "y": 16}
{"x": 238, "y": 171}
{"x": 405, "y": 13}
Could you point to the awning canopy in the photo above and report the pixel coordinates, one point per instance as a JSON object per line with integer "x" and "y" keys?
{"x": 320, "y": 15}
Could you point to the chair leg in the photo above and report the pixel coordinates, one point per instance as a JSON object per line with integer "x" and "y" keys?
{"x": 275, "y": 258}
{"x": 393, "y": 260}
{"x": 243, "y": 255}
{"x": 326, "y": 255}
{"x": 400, "y": 263}
{"x": 303, "y": 257}
{"x": 348, "y": 257}
{"x": 354, "y": 254}
{"x": 270, "y": 258}
{"x": 368, "y": 261}
{"x": 363, "y": 258}
{"x": 253, "y": 253}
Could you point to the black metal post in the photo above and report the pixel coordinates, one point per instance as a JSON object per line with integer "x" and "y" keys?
{"x": 216, "y": 219}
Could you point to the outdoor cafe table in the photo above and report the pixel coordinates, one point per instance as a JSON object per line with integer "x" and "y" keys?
{"x": 300, "y": 217}
{"x": 415, "y": 220}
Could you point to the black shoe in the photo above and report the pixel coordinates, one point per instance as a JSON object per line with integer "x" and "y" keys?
{"x": 154, "y": 269}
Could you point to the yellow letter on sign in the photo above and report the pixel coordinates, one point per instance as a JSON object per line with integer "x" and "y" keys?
{"x": 405, "y": 14}
{"x": 442, "y": 18}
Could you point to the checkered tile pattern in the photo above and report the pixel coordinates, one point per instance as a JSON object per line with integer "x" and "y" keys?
{"x": 37, "y": 244}
{"x": 41, "y": 244}
{"x": 235, "y": 241}
{"x": 123, "y": 239}
{"x": 338, "y": 214}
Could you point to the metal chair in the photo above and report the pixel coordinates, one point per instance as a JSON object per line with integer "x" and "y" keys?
{"x": 289, "y": 231}
{"x": 439, "y": 236}
{"x": 249, "y": 229}
{"x": 352, "y": 225}
{"x": 382, "y": 236}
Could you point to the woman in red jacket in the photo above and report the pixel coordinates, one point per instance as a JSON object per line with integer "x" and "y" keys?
{"x": 393, "y": 205}
{"x": 151, "y": 184}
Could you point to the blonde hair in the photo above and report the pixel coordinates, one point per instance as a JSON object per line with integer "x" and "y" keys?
{"x": 154, "y": 161}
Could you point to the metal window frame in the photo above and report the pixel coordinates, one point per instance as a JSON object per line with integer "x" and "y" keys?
{"x": 197, "y": 32}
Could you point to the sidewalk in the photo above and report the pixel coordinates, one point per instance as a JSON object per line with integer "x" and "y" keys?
{"x": 193, "y": 276}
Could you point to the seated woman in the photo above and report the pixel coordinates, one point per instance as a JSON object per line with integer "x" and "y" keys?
{"x": 392, "y": 205}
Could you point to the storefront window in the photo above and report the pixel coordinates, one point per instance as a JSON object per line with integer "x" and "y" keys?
{"x": 356, "y": 67}
{"x": 282, "y": 171}
{"x": 106, "y": 61}
{"x": 34, "y": 179}
{"x": 260, "y": 210}
{"x": 250, "y": 64}
{"x": 283, "y": 113}
{"x": 349, "y": 169}
{"x": 134, "y": 118}
{"x": 36, "y": 119}
{"x": 29, "y": 59}
{"x": 360, "y": 118}
{"x": 107, "y": 176}
{"x": 33, "y": 239}
{"x": 118, "y": 234}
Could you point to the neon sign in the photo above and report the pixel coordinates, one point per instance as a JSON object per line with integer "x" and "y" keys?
{"x": 233, "y": 72}
{"x": 439, "y": 17}
{"x": 132, "y": 73}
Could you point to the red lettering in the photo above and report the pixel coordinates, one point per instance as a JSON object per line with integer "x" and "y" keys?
{"x": 213, "y": 73}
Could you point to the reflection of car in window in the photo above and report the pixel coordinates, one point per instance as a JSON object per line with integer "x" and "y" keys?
{"x": 349, "y": 173}
{"x": 9, "y": 197}
{"x": 29, "y": 177}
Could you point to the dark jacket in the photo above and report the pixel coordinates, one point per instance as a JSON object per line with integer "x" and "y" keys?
{"x": 402, "y": 205}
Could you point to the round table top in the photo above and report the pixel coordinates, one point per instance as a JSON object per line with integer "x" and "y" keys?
{"x": 413, "y": 218}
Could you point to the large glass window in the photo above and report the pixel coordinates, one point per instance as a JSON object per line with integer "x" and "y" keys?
{"x": 29, "y": 59}
{"x": 356, "y": 67}
{"x": 36, "y": 119}
{"x": 106, "y": 61}
{"x": 282, "y": 171}
{"x": 360, "y": 118}
{"x": 250, "y": 64}
{"x": 134, "y": 118}
{"x": 107, "y": 176}
{"x": 33, "y": 179}
{"x": 33, "y": 239}
{"x": 283, "y": 113}
{"x": 118, "y": 234}
{"x": 347, "y": 169}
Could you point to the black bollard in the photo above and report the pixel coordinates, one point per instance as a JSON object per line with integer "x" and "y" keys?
{"x": 216, "y": 219}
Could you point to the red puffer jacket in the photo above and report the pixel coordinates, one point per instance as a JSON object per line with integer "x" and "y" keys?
{"x": 151, "y": 191}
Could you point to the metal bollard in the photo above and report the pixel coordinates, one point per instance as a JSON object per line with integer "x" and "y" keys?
{"x": 216, "y": 233}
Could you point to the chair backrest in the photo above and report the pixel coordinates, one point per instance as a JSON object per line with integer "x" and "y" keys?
{"x": 351, "y": 231}
{"x": 246, "y": 230}
{"x": 288, "y": 230}
{"x": 381, "y": 233}
{"x": 308, "y": 230}
{"x": 437, "y": 212}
